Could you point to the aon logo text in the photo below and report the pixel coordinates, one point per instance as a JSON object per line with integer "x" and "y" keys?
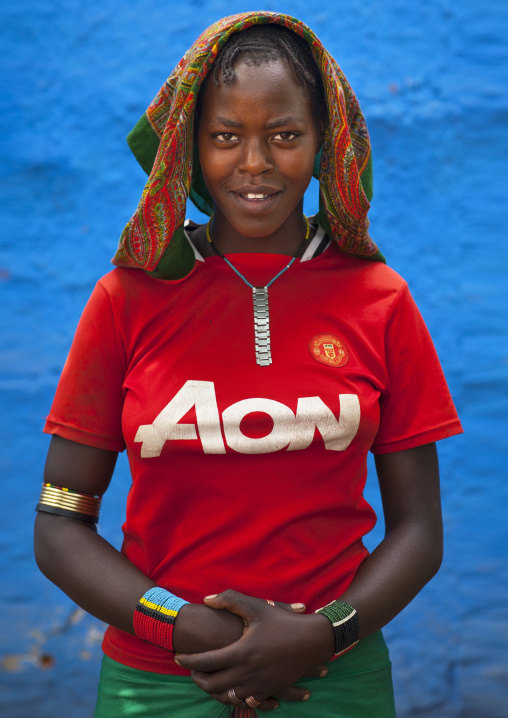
{"x": 294, "y": 431}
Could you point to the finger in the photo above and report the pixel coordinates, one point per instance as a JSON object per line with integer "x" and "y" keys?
{"x": 244, "y": 606}
{"x": 226, "y": 698}
{"x": 215, "y": 683}
{"x": 209, "y": 661}
{"x": 221, "y": 698}
{"x": 298, "y": 607}
{"x": 235, "y": 602}
{"x": 293, "y": 694}
{"x": 253, "y": 702}
{"x": 295, "y": 607}
{"x": 316, "y": 672}
{"x": 268, "y": 704}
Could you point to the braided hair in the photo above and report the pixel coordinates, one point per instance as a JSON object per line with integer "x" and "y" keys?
{"x": 260, "y": 44}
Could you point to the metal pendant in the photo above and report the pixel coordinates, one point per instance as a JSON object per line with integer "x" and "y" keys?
{"x": 261, "y": 326}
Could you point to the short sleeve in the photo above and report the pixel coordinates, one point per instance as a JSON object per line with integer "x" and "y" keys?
{"x": 88, "y": 403}
{"x": 416, "y": 407}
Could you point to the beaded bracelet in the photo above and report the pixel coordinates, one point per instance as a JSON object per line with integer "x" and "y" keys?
{"x": 71, "y": 504}
{"x": 344, "y": 620}
{"x": 155, "y": 616}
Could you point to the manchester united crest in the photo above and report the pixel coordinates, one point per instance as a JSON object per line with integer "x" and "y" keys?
{"x": 328, "y": 349}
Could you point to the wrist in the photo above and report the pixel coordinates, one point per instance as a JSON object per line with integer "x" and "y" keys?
{"x": 200, "y": 628}
{"x": 325, "y": 637}
{"x": 155, "y": 616}
{"x": 344, "y": 621}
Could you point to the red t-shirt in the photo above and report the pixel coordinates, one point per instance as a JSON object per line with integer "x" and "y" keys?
{"x": 250, "y": 477}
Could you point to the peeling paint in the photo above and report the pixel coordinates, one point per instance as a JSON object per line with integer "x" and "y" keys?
{"x": 37, "y": 656}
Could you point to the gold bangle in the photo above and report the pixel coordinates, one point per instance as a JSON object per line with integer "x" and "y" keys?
{"x": 69, "y": 500}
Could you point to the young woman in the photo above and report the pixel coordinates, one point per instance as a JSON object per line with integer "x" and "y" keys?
{"x": 248, "y": 366}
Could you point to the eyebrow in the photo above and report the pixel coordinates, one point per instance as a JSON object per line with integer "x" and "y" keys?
{"x": 225, "y": 122}
{"x": 279, "y": 122}
{"x": 282, "y": 121}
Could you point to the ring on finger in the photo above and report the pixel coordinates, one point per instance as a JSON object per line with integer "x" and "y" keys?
{"x": 252, "y": 702}
{"x": 234, "y": 698}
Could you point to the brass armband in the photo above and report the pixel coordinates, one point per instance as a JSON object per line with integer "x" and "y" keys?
{"x": 72, "y": 504}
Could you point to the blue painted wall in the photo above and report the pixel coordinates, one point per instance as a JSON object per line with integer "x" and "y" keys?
{"x": 429, "y": 77}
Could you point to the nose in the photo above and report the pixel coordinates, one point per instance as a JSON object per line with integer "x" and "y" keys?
{"x": 256, "y": 158}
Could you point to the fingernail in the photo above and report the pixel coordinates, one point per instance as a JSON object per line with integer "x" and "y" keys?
{"x": 213, "y": 595}
{"x": 276, "y": 706}
{"x": 306, "y": 697}
{"x": 177, "y": 662}
{"x": 297, "y": 605}
{"x": 323, "y": 672}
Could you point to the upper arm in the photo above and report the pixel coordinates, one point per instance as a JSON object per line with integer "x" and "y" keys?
{"x": 79, "y": 467}
{"x": 88, "y": 403}
{"x": 409, "y": 485}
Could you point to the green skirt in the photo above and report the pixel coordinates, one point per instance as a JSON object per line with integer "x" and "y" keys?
{"x": 358, "y": 685}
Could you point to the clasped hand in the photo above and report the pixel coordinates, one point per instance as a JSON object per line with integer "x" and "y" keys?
{"x": 278, "y": 647}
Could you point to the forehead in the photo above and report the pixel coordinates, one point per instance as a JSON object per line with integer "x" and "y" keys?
{"x": 257, "y": 89}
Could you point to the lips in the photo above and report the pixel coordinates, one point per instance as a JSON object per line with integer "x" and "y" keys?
{"x": 256, "y": 192}
{"x": 256, "y": 202}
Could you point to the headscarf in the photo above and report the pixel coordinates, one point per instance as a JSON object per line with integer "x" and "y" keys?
{"x": 163, "y": 143}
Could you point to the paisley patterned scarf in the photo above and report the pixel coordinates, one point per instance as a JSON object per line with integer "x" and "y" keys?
{"x": 163, "y": 143}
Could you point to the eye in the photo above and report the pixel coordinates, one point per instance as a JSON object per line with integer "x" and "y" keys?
{"x": 225, "y": 137}
{"x": 285, "y": 136}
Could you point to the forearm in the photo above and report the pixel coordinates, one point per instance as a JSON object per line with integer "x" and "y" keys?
{"x": 412, "y": 549}
{"x": 89, "y": 570}
{"x": 106, "y": 584}
{"x": 393, "y": 575}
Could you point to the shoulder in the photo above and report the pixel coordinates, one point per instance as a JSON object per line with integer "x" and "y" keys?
{"x": 119, "y": 293}
{"x": 371, "y": 270}
{"x": 369, "y": 280}
{"x": 124, "y": 284}
{"x": 121, "y": 280}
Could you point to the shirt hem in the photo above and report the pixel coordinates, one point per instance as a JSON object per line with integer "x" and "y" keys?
{"x": 427, "y": 437}
{"x": 72, "y": 433}
{"x": 143, "y": 663}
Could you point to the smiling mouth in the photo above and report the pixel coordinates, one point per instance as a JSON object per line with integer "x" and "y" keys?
{"x": 249, "y": 195}
{"x": 257, "y": 196}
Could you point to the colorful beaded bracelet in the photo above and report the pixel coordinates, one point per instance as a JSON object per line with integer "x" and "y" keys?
{"x": 344, "y": 620}
{"x": 155, "y": 616}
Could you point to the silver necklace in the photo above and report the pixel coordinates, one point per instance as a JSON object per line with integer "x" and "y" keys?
{"x": 260, "y": 301}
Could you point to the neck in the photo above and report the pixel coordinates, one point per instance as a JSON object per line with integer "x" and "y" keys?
{"x": 286, "y": 239}
{"x": 298, "y": 252}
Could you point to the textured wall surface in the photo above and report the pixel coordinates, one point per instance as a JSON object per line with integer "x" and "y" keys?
{"x": 429, "y": 77}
